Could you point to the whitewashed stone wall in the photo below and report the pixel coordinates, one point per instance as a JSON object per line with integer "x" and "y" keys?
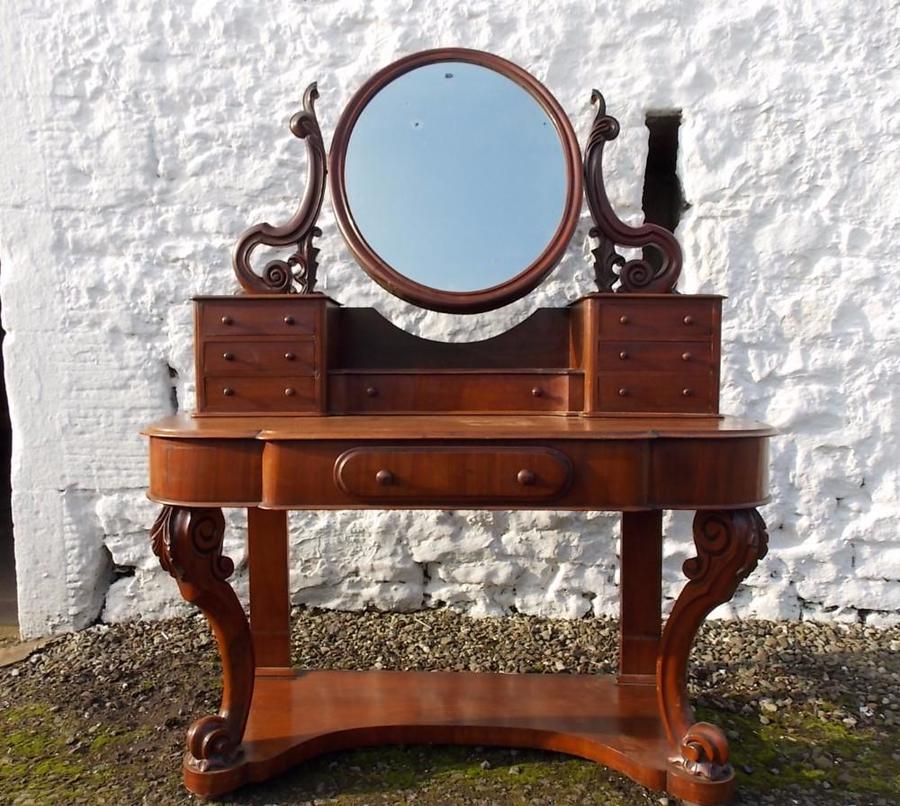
{"x": 138, "y": 138}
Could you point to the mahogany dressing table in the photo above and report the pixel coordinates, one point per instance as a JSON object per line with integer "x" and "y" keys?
{"x": 457, "y": 182}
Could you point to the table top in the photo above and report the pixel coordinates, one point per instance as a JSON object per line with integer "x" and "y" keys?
{"x": 455, "y": 426}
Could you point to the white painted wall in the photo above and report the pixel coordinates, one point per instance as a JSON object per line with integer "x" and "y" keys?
{"x": 138, "y": 138}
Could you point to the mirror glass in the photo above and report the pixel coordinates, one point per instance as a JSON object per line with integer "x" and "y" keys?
{"x": 456, "y": 176}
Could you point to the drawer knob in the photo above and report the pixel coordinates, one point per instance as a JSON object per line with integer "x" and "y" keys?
{"x": 687, "y": 392}
{"x": 290, "y": 392}
{"x": 228, "y": 356}
{"x": 289, "y": 356}
{"x": 686, "y": 356}
{"x": 623, "y": 392}
{"x": 623, "y": 355}
{"x": 526, "y": 477}
{"x": 289, "y": 320}
{"x": 688, "y": 320}
{"x": 384, "y": 477}
{"x": 228, "y": 391}
{"x": 623, "y": 320}
{"x": 227, "y": 320}
{"x": 371, "y": 391}
{"x": 537, "y": 392}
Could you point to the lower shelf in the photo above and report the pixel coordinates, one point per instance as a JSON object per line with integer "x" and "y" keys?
{"x": 297, "y": 717}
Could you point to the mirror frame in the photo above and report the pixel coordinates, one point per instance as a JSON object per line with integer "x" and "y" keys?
{"x": 399, "y": 284}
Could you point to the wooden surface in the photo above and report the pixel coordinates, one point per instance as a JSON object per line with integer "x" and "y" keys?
{"x": 589, "y": 716}
{"x": 476, "y": 427}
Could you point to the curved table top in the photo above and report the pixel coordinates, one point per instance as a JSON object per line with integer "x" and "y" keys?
{"x": 455, "y": 426}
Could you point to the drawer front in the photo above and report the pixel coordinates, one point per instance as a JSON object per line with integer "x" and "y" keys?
{"x": 658, "y": 391}
{"x": 260, "y": 394}
{"x": 666, "y": 320}
{"x": 655, "y": 356}
{"x": 489, "y": 473}
{"x": 276, "y": 317}
{"x": 255, "y": 357}
{"x": 372, "y": 392}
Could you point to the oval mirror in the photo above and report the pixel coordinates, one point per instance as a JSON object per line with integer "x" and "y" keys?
{"x": 456, "y": 180}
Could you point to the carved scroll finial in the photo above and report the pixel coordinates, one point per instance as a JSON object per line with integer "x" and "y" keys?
{"x": 298, "y": 272}
{"x": 633, "y": 275}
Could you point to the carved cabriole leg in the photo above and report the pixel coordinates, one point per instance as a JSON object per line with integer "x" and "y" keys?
{"x": 188, "y": 542}
{"x": 729, "y": 545}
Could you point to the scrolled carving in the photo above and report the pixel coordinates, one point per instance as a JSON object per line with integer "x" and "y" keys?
{"x": 188, "y": 542}
{"x": 298, "y": 272}
{"x": 729, "y": 545}
{"x": 609, "y": 266}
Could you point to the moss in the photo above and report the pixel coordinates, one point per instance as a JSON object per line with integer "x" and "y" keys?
{"x": 781, "y": 754}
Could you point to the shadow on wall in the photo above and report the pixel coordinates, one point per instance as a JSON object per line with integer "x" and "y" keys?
{"x": 8, "y": 605}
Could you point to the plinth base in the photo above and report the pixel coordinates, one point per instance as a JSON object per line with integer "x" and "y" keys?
{"x": 297, "y": 716}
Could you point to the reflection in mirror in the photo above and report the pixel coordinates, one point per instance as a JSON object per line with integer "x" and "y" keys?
{"x": 456, "y": 176}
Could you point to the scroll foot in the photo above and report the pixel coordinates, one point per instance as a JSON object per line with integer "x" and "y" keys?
{"x": 729, "y": 545}
{"x": 188, "y": 542}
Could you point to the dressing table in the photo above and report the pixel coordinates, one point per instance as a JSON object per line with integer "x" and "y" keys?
{"x": 608, "y": 403}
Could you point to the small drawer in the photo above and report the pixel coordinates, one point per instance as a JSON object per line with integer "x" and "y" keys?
{"x": 255, "y": 317}
{"x": 655, "y": 356}
{"x": 433, "y": 392}
{"x": 657, "y": 391}
{"x": 244, "y": 393}
{"x": 653, "y": 319}
{"x": 453, "y": 474}
{"x": 259, "y": 357}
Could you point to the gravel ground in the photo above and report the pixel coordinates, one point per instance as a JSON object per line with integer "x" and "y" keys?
{"x": 813, "y": 712}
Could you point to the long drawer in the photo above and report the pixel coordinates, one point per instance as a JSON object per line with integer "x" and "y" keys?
{"x": 451, "y": 473}
{"x": 471, "y": 392}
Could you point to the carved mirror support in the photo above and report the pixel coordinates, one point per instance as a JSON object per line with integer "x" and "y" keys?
{"x": 297, "y": 274}
{"x": 638, "y": 275}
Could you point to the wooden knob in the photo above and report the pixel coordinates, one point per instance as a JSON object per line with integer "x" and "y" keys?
{"x": 686, "y": 392}
{"x": 686, "y": 356}
{"x": 371, "y": 391}
{"x": 623, "y": 320}
{"x": 623, "y": 355}
{"x": 688, "y": 320}
{"x": 290, "y": 392}
{"x": 289, "y": 320}
{"x": 526, "y": 477}
{"x": 537, "y": 392}
{"x": 289, "y": 356}
{"x": 384, "y": 477}
{"x": 228, "y": 391}
{"x": 227, "y": 320}
{"x": 228, "y": 356}
{"x": 623, "y": 392}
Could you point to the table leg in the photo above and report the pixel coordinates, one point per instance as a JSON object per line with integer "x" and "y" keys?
{"x": 640, "y": 594}
{"x": 188, "y": 542}
{"x": 729, "y": 544}
{"x": 270, "y": 609}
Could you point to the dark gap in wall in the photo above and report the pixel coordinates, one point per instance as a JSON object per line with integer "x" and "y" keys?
{"x": 9, "y": 611}
{"x": 663, "y": 198}
{"x": 173, "y": 393}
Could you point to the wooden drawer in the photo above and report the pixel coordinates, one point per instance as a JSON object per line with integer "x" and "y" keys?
{"x": 246, "y": 394}
{"x": 453, "y": 474}
{"x": 449, "y": 392}
{"x": 658, "y": 391}
{"x": 259, "y": 357}
{"x": 655, "y": 356}
{"x": 256, "y": 317}
{"x": 657, "y": 319}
